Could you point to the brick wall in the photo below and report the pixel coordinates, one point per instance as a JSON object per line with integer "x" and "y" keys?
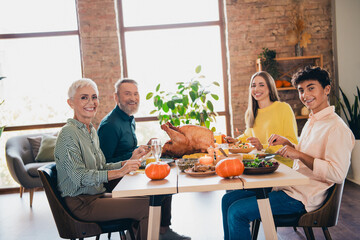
{"x": 100, "y": 49}
{"x": 252, "y": 25}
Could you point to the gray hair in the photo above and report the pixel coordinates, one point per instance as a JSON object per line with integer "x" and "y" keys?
{"x": 124, "y": 80}
{"x": 83, "y": 82}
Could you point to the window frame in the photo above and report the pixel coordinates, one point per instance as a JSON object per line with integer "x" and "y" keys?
{"x": 220, "y": 23}
{"x": 37, "y": 35}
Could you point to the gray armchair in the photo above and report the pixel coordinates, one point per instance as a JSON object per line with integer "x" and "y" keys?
{"x": 21, "y": 163}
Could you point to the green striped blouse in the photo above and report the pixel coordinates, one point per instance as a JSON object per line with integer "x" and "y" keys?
{"x": 80, "y": 163}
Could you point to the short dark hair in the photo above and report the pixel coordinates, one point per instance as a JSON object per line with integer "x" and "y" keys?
{"x": 311, "y": 73}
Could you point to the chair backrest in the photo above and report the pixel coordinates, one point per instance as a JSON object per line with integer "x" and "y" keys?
{"x": 68, "y": 226}
{"x": 327, "y": 215}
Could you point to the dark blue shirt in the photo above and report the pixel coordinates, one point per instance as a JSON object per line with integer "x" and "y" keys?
{"x": 117, "y": 135}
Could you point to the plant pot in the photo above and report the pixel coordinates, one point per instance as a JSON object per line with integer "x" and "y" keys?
{"x": 354, "y": 171}
{"x": 299, "y": 51}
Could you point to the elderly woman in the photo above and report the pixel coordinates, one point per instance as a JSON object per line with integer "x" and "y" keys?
{"x": 82, "y": 169}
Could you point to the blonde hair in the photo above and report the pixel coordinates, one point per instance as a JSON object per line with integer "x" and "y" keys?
{"x": 253, "y": 105}
{"x": 83, "y": 82}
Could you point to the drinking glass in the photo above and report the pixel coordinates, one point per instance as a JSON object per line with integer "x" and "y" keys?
{"x": 156, "y": 148}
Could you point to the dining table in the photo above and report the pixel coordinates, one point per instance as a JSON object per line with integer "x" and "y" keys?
{"x": 179, "y": 182}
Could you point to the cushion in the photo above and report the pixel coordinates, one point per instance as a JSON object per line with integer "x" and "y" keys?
{"x": 46, "y": 150}
{"x": 35, "y": 145}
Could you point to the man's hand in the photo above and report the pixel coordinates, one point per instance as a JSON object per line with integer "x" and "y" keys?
{"x": 275, "y": 139}
{"x": 289, "y": 152}
{"x": 139, "y": 152}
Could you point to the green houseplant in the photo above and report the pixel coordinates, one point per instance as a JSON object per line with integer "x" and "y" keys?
{"x": 190, "y": 104}
{"x": 351, "y": 112}
{"x": 269, "y": 63}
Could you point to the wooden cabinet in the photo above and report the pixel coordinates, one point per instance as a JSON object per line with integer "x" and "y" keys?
{"x": 287, "y": 67}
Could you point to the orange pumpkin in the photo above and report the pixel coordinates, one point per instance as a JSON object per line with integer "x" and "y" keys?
{"x": 157, "y": 170}
{"x": 278, "y": 83}
{"x": 286, "y": 83}
{"x": 230, "y": 167}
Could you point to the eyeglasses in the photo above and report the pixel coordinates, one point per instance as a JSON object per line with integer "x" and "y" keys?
{"x": 86, "y": 99}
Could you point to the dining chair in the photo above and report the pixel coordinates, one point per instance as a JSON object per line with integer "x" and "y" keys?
{"x": 70, "y": 227}
{"x": 326, "y": 216}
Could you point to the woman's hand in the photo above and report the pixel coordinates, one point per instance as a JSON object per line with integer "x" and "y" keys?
{"x": 275, "y": 139}
{"x": 255, "y": 142}
{"x": 231, "y": 140}
{"x": 128, "y": 166}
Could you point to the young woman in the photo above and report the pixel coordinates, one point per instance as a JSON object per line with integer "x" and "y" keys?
{"x": 266, "y": 115}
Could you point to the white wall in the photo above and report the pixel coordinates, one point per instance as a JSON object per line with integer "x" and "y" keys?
{"x": 347, "y": 17}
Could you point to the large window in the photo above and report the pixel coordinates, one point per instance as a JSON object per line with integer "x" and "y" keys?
{"x": 39, "y": 56}
{"x": 163, "y": 41}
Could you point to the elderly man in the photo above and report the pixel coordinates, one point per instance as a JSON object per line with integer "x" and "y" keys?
{"x": 118, "y": 140}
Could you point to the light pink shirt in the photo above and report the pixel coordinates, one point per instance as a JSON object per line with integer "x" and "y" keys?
{"x": 328, "y": 139}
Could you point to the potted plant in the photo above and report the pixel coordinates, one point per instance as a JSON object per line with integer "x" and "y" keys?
{"x": 269, "y": 63}
{"x": 190, "y": 104}
{"x": 352, "y": 115}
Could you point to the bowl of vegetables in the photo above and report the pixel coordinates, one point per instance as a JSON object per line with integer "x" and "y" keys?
{"x": 260, "y": 166}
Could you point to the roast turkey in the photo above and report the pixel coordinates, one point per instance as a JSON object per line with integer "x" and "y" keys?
{"x": 186, "y": 139}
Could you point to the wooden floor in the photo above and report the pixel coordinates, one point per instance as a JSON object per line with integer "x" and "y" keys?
{"x": 194, "y": 214}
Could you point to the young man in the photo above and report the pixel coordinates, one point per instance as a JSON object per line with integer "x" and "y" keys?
{"x": 323, "y": 155}
{"x": 118, "y": 141}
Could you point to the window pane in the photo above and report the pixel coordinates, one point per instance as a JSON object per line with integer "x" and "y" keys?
{"x": 145, "y": 12}
{"x": 170, "y": 56}
{"x": 24, "y": 16}
{"x": 38, "y": 73}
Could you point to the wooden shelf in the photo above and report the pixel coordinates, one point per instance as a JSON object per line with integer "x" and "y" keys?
{"x": 285, "y": 88}
{"x": 302, "y": 117}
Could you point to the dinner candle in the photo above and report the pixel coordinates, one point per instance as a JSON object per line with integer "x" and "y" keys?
{"x": 206, "y": 160}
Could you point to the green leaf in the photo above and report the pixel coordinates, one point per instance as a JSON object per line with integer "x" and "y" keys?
{"x": 213, "y": 129}
{"x": 181, "y": 110}
{"x": 198, "y": 69}
{"x": 149, "y": 95}
{"x": 153, "y": 111}
{"x": 171, "y": 104}
{"x": 216, "y": 83}
{"x": 195, "y": 87}
{"x": 210, "y": 106}
{"x": 177, "y": 122}
{"x": 158, "y": 87}
{"x": 207, "y": 124}
{"x": 165, "y": 107}
{"x": 160, "y": 104}
{"x": 203, "y": 98}
{"x": 192, "y": 96}
{"x": 216, "y": 97}
{"x": 185, "y": 100}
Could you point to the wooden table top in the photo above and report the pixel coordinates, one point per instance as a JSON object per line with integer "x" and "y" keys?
{"x": 177, "y": 181}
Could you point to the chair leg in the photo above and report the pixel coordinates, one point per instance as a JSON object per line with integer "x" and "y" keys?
{"x": 32, "y": 190}
{"x": 109, "y": 235}
{"x": 295, "y": 229}
{"x": 255, "y": 229}
{"x": 122, "y": 235}
{"x": 98, "y": 237}
{"x": 309, "y": 233}
{"x": 131, "y": 232}
{"x": 21, "y": 191}
{"x": 326, "y": 233}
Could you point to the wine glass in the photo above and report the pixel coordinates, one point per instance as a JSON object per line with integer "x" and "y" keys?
{"x": 156, "y": 148}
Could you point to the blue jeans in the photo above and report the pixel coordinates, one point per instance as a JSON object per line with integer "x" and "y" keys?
{"x": 240, "y": 207}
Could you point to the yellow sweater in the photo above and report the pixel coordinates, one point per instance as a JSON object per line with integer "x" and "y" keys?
{"x": 278, "y": 118}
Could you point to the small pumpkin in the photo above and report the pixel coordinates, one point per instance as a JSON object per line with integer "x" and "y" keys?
{"x": 286, "y": 83}
{"x": 278, "y": 83}
{"x": 230, "y": 167}
{"x": 157, "y": 170}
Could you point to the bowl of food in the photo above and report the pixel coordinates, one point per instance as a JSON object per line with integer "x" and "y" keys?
{"x": 186, "y": 163}
{"x": 260, "y": 166}
{"x": 241, "y": 148}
